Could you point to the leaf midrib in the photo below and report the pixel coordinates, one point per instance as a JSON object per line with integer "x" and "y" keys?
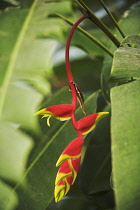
{"x": 13, "y": 57}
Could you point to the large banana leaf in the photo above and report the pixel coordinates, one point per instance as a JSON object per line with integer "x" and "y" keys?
{"x": 26, "y": 58}
{"x": 126, "y": 55}
{"x": 125, "y": 122}
{"x": 8, "y": 199}
{"x": 129, "y": 25}
{"x": 25, "y": 62}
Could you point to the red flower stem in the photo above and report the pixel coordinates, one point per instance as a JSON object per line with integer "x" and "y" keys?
{"x": 75, "y": 125}
{"x": 68, "y": 68}
{"x": 80, "y": 134}
{"x": 70, "y": 76}
{"x": 74, "y": 103}
{"x": 74, "y": 95}
{"x": 74, "y": 122}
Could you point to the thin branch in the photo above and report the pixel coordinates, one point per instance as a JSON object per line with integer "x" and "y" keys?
{"x": 100, "y": 24}
{"x": 112, "y": 18}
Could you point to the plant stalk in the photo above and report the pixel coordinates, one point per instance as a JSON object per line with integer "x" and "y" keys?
{"x": 112, "y": 18}
{"x": 100, "y": 24}
{"x": 68, "y": 68}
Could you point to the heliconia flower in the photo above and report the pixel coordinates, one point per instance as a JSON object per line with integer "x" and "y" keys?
{"x": 70, "y": 163}
{"x": 88, "y": 123}
{"x": 61, "y": 112}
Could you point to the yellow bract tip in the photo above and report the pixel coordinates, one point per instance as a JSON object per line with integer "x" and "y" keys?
{"x": 59, "y": 192}
{"x": 41, "y": 112}
{"x": 62, "y": 158}
{"x": 61, "y": 176}
{"x": 101, "y": 114}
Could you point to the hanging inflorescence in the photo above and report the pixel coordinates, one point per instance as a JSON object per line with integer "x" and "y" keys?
{"x": 69, "y": 160}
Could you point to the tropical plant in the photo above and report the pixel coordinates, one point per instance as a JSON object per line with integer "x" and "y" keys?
{"x": 104, "y": 56}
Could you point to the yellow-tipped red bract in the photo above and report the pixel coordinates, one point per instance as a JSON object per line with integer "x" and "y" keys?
{"x": 61, "y": 112}
{"x": 70, "y": 163}
{"x": 88, "y": 123}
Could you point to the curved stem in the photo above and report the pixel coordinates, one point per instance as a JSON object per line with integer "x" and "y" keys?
{"x": 74, "y": 103}
{"x": 74, "y": 122}
{"x": 80, "y": 134}
{"x": 87, "y": 35}
{"x": 74, "y": 95}
{"x": 69, "y": 72}
{"x": 68, "y": 68}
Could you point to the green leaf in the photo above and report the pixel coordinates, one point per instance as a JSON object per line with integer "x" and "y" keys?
{"x": 129, "y": 26}
{"x": 130, "y": 19}
{"x": 133, "y": 40}
{"x": 25, "y": 60}
{"x": 14, "y": 150}
{"x": 13, "y": 2}
{"x": 8, "y": 199}
{"x": 42, "y": 171}
{"x": 105, "y": 74}
{"x": 125, "y": 144}
{"x": 22, "y": 99}
{"x": 11, "y": 39}
{"x": 126, "y": 61}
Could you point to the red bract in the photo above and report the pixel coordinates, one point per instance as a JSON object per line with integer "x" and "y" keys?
{"x": 70, "y": 163}
{"x": 61, "y": 112}
{"x": 88, "y": 123}
{"x": 71, "y": 151}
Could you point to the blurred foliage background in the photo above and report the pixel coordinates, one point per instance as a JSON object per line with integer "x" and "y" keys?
{"x": 32, "y": 76}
